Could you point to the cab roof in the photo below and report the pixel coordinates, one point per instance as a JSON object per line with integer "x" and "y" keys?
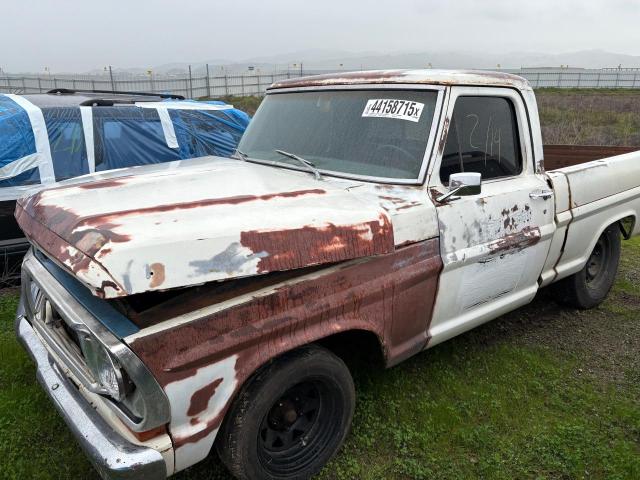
{"x": 426, "y": 76}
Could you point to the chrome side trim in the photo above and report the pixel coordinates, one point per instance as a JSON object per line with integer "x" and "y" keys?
{"x": 113, "y": 457}
{"x": 156, "y": 405}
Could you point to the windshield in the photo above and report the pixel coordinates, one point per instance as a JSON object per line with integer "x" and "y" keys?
{"x": 374, "y": 133}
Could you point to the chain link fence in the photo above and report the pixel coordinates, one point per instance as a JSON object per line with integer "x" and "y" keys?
{"x": 187, "y": 86}
{"x": 255, "y": 83}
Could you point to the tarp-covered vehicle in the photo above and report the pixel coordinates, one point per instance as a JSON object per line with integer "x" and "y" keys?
{"x": 50, "y": 137}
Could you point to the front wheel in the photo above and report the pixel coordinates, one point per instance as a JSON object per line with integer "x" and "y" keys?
{"x": 590, "y": 286}
{"x": 290, "y": 418}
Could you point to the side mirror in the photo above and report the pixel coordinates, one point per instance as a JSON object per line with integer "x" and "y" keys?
{"x": 462, "y": 184}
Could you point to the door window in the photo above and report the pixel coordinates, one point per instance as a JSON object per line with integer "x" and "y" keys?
{"x": 482, "y": 138}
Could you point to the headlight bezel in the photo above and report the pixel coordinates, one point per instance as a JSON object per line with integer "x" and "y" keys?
{"x": 143, "y": 405}
{"x": 99, "y": 362}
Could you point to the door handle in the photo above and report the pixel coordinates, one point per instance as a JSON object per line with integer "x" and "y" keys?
{"x": 541, "y": 194}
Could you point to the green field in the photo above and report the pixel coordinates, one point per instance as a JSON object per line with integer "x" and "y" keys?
{"x": 544, "y": 392}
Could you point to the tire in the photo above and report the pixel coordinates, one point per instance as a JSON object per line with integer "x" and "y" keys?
{"x": 590, "y": 286}
{"x": 309, "y": 388}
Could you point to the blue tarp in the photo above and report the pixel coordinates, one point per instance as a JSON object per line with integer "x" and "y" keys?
{"x": 16, "y": 141}
{"x": 123, "y": 136}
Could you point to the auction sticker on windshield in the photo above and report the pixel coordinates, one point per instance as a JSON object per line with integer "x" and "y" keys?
{"x": 390, "y": 108}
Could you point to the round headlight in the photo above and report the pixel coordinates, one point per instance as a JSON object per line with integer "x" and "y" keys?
{"x": 103, "y": 368}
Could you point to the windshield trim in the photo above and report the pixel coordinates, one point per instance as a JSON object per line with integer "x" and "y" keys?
{"x": 367, "y": 178}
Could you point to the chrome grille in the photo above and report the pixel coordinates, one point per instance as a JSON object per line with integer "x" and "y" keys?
{"x": 63, "y": 324}
{"x": 58, "y": 333}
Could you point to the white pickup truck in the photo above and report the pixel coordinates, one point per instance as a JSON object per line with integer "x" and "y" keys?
{"x": 177, "y": 308}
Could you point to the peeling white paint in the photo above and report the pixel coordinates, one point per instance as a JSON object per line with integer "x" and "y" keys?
{"x": 180, "y": 394}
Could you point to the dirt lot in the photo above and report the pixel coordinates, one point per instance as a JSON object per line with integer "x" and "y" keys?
{"x": 543, "y": 393}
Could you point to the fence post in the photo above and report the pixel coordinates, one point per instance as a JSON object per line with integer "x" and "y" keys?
{"x": 226, "y": 85}
{"x": 242, "y": 84}
{"x": 208, "y": 83}
{"x": 113, "y": 88}
{"x": 39, "y": 84}
{"x": 24, "y": 86}
{"x": 598, "y": 81}
{"x": 190, "y": 84}
{"x": 55, "y": 83}
{"x": 93, "y": 84}
{"x": 617, "y": 78}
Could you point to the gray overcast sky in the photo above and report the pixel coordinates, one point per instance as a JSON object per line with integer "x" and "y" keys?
{"x": 78, "y": 35}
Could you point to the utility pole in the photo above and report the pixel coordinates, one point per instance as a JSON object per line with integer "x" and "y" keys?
{"x": 150, "y": 73}
{"x": 208, "y": 84}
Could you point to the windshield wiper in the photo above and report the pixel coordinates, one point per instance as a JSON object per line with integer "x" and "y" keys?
{"x": 242, "y": 155}
{"x": 310, "y": 166}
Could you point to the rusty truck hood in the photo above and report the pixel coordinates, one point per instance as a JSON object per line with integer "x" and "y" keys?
{"x": 211, "y": 219}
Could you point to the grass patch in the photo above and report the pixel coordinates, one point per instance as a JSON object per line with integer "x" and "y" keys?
{"x": 247, "y": 104}
{"x": 516, "y": 398}
{"x": 590, "y": 117}
{"x": 34, "y": 441}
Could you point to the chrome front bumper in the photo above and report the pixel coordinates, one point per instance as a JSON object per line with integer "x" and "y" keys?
{"x": 113, "y": 456}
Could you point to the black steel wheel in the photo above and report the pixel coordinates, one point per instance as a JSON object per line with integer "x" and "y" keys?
{"x": 590, "y": 286}
{"x": 290, "y": 418}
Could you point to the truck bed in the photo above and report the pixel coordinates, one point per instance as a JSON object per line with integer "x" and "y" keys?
{"x": 589, "y": 197}
{"x": 560, "y": 156}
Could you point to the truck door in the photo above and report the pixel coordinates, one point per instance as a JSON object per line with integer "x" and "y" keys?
{"x": 493, "y": 244}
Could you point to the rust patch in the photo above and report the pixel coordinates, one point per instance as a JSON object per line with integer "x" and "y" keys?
{"x": 443, "y": 136}
{"x": 149, "y": 434}
{"x": 525, "y": 238}
{"x": 391, "y": 296}
{"x": 76, "y": 241}
{"x": 100, "y": 291}
{"x": 200, "y": 398}
{"x": 74, "y": 249}
{"x": 116, "y": 182}
{"x": 156, "y": 273}
{"x": 289, "y": 249}
{"x": 435, "y": 193}
{"x": 394, "y": 200}
{"x": 66, "y": 221}
{"x": 402, "y": 76}
{"x": 342, "y": 78}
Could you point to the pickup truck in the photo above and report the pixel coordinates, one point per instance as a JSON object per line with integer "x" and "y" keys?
{"x": 181, "y": 308}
